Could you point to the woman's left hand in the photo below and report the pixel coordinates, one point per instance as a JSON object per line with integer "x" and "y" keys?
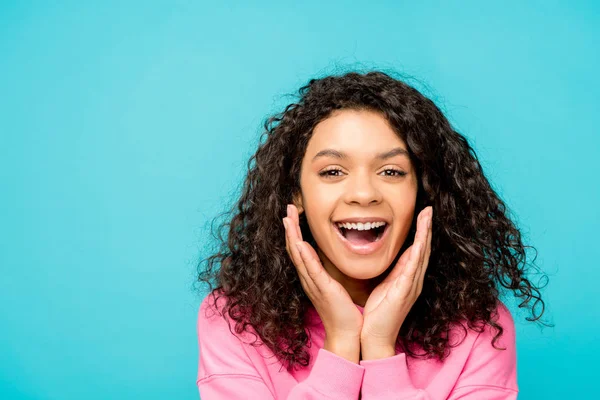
{"x": 389, "y": 303}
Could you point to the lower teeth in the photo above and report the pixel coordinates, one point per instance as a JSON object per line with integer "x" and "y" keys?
{"x": 375, "y": 232}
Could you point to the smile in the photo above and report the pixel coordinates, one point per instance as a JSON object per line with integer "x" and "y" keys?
{"x": 361, "y": 238}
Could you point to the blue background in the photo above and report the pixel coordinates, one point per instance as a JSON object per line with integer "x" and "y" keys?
{"x": 126, "y": 127}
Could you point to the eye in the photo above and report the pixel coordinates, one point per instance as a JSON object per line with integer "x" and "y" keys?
{"x": 391, "y": 172}
{"x": 330, "y": 173}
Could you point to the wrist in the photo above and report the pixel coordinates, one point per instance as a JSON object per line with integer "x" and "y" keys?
{"x": 374, "y": 351}
{"x": 348, "y": 348}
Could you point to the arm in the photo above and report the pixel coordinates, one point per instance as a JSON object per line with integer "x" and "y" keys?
{"x": 487, "y": 374}
{"x": 332, "y": 377}
{"x": 490, "y": 373}
{"x": 388, "y": 378}
{"x": 226, "y": 369}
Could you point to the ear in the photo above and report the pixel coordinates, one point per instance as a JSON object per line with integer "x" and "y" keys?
{"x": 297, "y": 199}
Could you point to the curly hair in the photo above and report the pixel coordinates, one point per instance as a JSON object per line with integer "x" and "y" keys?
{"x": 476, "y": 248}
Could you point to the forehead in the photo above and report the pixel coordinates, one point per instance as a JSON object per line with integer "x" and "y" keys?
{"x": 355, "y": 132}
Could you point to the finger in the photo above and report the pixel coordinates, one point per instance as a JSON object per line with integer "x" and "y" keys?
{"x": 413, "y": 263}
{"x": 293, "y": 213}
{"x": 425, "y": 232}
{"x": 401, "y": 265}
{"x": 405, "y": 283}
{"x": 293, "y": 210}
{"x": 311, "y": 254}
{"x": 423, "y": 235}
{"x": 417, "y": 249}
{"x": 427, "y": 254}
{"x": 292, "y": 229}
{"x": 294, "y": 254}
{"x": 290, "y": 239}
{"x": 295, "y": 238}
{"x": 420, "y": 266}
{"x": 315, "y": 270}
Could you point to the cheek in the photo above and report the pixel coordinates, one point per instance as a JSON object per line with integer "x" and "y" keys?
{"x": 404, "y": 212}
{"x": 403, "y": 201}
{"x": 320, "y": 199}
{"x": 317, "y": 203}
{"x": 403, "y": 230}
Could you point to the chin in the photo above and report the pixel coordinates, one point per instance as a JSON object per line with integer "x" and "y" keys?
{"x": 362, "y": 271}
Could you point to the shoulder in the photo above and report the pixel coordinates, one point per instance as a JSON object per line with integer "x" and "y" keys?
{"x": 217, "y": 338}
{"x": 469, "y": 334}
{"x": 210, "y": 313}
{"x": 222, "y": 351}
{"x": 214, "y": 324}
{"x": 490, "y": 360}
{"x": 501, "y": 322}
{"x": 504, "y": 319}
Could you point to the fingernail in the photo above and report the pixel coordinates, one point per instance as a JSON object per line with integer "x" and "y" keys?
{"x": 429, "y": 222}
{"x": 289, "y": 210}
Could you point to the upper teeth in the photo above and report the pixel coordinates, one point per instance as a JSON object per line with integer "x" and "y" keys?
{"x": 360, "y": 226}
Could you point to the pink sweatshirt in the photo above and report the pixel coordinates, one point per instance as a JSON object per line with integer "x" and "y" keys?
{"x": 230, "y": 369}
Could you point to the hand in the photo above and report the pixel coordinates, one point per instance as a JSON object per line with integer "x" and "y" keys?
{"x": 341, "y": 318}
{"x": 389, "y": 303}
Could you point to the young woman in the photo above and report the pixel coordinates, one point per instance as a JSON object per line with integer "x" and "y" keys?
{"x": 365, "y": 258}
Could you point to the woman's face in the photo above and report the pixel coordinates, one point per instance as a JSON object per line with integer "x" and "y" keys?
{"x": 357, "y": 169}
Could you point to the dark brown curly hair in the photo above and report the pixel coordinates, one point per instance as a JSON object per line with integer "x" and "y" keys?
{"x": 476, "y": 248}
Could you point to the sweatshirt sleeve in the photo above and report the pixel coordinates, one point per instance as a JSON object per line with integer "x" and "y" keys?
{"x": 488, "y": 374}
{"x": 226, "y": 370}
{"x": 388, "y": 378}
{"x": 332, "y": 377}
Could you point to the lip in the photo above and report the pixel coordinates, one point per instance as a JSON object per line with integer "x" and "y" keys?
{"x": 364, "y": 249}
{"x": 363, "y": 220}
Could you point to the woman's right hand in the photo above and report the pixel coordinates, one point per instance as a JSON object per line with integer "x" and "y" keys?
{"x": 341, "y": 318}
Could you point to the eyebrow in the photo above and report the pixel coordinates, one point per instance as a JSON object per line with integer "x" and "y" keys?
{"x": 398, "y": 151}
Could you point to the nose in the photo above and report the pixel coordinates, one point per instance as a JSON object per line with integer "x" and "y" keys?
{"x": 362, "y": 190}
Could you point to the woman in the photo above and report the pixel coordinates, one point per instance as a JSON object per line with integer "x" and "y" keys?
{"x": 384, "y": 280}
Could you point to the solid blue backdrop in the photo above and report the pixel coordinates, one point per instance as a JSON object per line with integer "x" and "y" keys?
{"x": 126, "y": 126}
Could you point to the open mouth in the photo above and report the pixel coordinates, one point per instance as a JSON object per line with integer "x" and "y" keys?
{"x": 362, "y": 235}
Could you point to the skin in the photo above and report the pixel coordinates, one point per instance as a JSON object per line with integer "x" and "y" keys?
{"x": 358, "y": 184}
